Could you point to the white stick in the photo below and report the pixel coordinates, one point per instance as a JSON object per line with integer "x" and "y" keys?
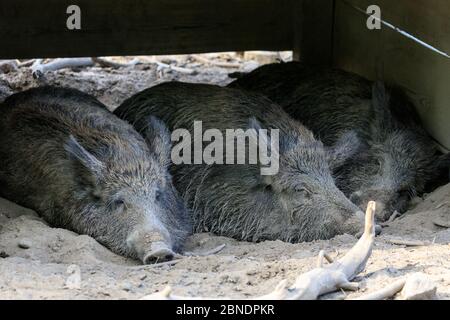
{"x": 116, "y": 65}
{"x": 407, "y": 243}
{"x": 216, "y": 63}
{"x": 385, "y": 293}
{"x": 38, "y": 69}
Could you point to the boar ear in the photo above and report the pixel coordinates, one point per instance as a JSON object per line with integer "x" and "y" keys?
{"x": 380, "y": 96}
{"x": 345, "y": 148}
{"x": 157, "y": 137}
{"x": 268, "y": 149}
{"x": 255, "y": 125}
{"x": 87, "y": 166}
{"x": 443, "y": 164}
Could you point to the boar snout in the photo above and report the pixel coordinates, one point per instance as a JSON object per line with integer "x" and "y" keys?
{"x": 159, "y": 253}
{"x": 354, "y": 224}
{"x": 151, "y": 246}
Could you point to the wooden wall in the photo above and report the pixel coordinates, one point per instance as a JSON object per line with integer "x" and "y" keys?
{"x": 388, "y": 55}
{"x": 331, "y": 32}
{"x": 31, "y": 29}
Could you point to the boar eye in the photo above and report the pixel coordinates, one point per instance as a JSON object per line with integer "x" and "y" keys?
{"x": 405, "y": 193}
{"x": 118, "y": 204}
{"x": 302, "y": 190}
{"x": 158, "y": 195}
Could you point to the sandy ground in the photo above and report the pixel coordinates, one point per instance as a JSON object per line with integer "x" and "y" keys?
{"x": 40, "y": 262}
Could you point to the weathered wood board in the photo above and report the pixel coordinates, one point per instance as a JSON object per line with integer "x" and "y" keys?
{"x": 30, "y": 29}
{"x": 428, "y": 20}
{"x": 388, "y": 55}
{"x": 313, "y": 31}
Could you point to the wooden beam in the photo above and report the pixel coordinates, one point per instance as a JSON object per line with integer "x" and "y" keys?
{"x": 313, "y": 31}
{"x": 30, "y": 29}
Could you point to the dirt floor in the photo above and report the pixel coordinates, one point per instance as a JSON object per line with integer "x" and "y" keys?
{"x": 40, "y": 262}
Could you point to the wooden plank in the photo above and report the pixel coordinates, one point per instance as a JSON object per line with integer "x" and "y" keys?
{"x": 313, "y": 31}
{"x": 386, "y": 54}
{"x": 30, "y": 29}
{"x": 427, "y": 20}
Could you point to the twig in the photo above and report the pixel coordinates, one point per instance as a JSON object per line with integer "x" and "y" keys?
{"x": 38, "y": 69}
{"x": 385, "y": 293}
{"x": 116, "y": 65}
{"x": 175, "y": 68}
{"x": 162, "y": 65}
{"x": 439, "y": 206}
{"x": 206, "y": 253}
{"x": 27, "y": 63}
{"x": 323, "y": 254}
{"x": 216, "y": 63}
{"x": 441, "y": 223}
{"x": 407, "y": 243}
{"x": 391, "y": 219}
{"x": 166, "y": 263}
{"x": 419, "y": 286}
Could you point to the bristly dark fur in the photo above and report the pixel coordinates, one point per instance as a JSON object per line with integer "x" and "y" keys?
{"x": 300, "y": 203}
{"x": 397, "y": 159}
{"x": 63, "y": 154}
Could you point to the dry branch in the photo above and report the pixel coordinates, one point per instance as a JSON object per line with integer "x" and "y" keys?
{"x": 319, "y": 281}
{"x": 39, "y": 69}
{"x": 385, "y": 293}
{"x": 391, "y": 219}
{"x": 439, "y": 222}
{"x": 419, "y": 287}
{"x": 323, "y": 255}
{"x": 27, "y": 63}
{"x": 166, "y": 263}
{"x": 205, "y": 253}
{"x": 408, "y": 243}
{"x": 216, "y": 63}
{"x": 175, "y": 68}
{"x": 116, "y": 65}
{"x": 162, "y": 65}
{"x": 416, "y": 287}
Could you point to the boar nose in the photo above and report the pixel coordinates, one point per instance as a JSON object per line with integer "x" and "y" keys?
{"x": 355, "y": 197}
{"x": 151, "y": 246}
{"x": 159, "y": 253}
{"x": 361, "y": 217}
{"x": 381, "y": 213}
